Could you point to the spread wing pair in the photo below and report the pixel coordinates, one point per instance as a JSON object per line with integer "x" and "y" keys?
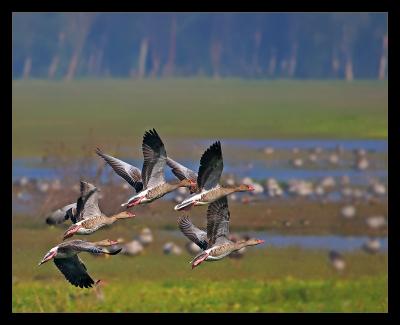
{"x": 218, "y": 217}
{"x": 155, "y": 159}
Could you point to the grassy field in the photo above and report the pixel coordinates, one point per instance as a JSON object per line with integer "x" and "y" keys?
{"x": 116, "y": 112}
{"x": 267, "y": 279}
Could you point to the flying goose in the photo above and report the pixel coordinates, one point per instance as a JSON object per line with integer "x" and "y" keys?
{"x": 133, "y": 175}
{"x": 154, "y": 184}
{"x": 208, "y": 187}
{"x": 88, "y": 217}
{"x": 65, "y": 257}
{"x": 214, "y": 242}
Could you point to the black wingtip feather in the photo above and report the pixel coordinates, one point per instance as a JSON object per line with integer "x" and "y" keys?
{"x": 212, "y": 154}
{"x": 213, "y": 150}
{"x": 152, "y": 139}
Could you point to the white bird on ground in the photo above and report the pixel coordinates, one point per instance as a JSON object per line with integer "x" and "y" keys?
{"x": 145, "y": 237}
{"x": 348, "y": 211}
{"x": 337, "y": 261}
{"x": 171, "y": 248}
{"x": 372, "y": 245}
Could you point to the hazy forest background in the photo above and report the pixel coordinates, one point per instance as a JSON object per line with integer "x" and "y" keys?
{"x": 151, "y": 45}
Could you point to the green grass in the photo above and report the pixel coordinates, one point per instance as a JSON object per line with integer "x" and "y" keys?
{"x": 265, "y": 280}
{"x": 116, "y": 112}
{"x": 286, "y": 295}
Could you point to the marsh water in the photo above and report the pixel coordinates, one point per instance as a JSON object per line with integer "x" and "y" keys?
{"x": 259, "y": 169}
{"x": 336, "y": 242}
{"x": 256, "y": 168}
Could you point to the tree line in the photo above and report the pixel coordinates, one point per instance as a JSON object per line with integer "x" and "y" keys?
{"x": 150, "y": 45}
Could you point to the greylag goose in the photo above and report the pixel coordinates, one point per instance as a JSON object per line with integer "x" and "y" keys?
{"x": 214, "y": 242}
{"x": 62, "y": 214}
{"x": 154, "y": 184}
{"x": 145, "y": 237}
{"x": 65, "y": 257}
{"x": 133, "y": 175}
{"x": 171, "y": 248}
{"x": 337, "y": 261}
{"x": 372, "y": 246}
{"x": 88, "y": 217}
{"x": 132, "y": 248}
{"x": 209, "y": 189}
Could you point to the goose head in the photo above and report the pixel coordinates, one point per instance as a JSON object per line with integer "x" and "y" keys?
{"x": 245, "y": 188}
{"x": 254, "y": 241}
{"x": 49, "y": 255}
{"x": 187, "y": 183}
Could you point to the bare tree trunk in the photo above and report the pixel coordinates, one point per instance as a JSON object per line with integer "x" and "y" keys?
{"x": 144, "y": 46}
{"x": 335, "y": 64}
{"x": 53, "y": 67}
{"x": 293, "y": 61}
{"x": 27, "y": 68}
{"x": 156, "y": 63}
{"x": 216, "y": 51}
{"x": 97, "y": 62}
{"x": 91, "y": 63}
{"x": 170, "y": 65}
{"x": 349, "y": 69}
{"x": 383, "y": 60}
{"x": 284, "y": 67}
{"x": 56, "y": 59}
{"x": 257, "y": 43}
{"x": 84, "y": 22}
{"x": 272, "y": 64}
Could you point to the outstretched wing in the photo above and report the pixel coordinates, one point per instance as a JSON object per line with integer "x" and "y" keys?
{"x": 196, "y": 235}
{"x": 211, "y": 166}
{"x": 180, "y": 171}
{"x": 155, "y": 158}
{"x": 74, "y": 271}
{"x": 88, "y": 202}
{"x": 128, "y": 172}
{"x": 60, "y": 215}
{"x": 218, "y": 220}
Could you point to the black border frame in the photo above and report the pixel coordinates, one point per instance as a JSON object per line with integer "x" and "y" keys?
{"x": 283, "y": 6}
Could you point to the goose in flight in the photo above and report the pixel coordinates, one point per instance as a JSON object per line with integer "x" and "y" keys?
{"x": 208, "y": 187}
{"x": 154, "y": 185}
{"x": 88, "y": 217}
{"x": 65, "y": 257}
{"x": 214, "y": 243}
{"x": 133, "y": 175}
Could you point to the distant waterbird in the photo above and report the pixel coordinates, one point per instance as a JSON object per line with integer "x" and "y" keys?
{"x": 171, "y": 248}
{"x": 372, "y": 246}
{"x": 337, "y": 261}
{"x": 348, "y": 211}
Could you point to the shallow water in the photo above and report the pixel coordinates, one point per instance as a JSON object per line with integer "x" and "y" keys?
{"x": 256, "y": 169}
{"x": 369, "y": 145}
{"x": 329, "y": 242}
